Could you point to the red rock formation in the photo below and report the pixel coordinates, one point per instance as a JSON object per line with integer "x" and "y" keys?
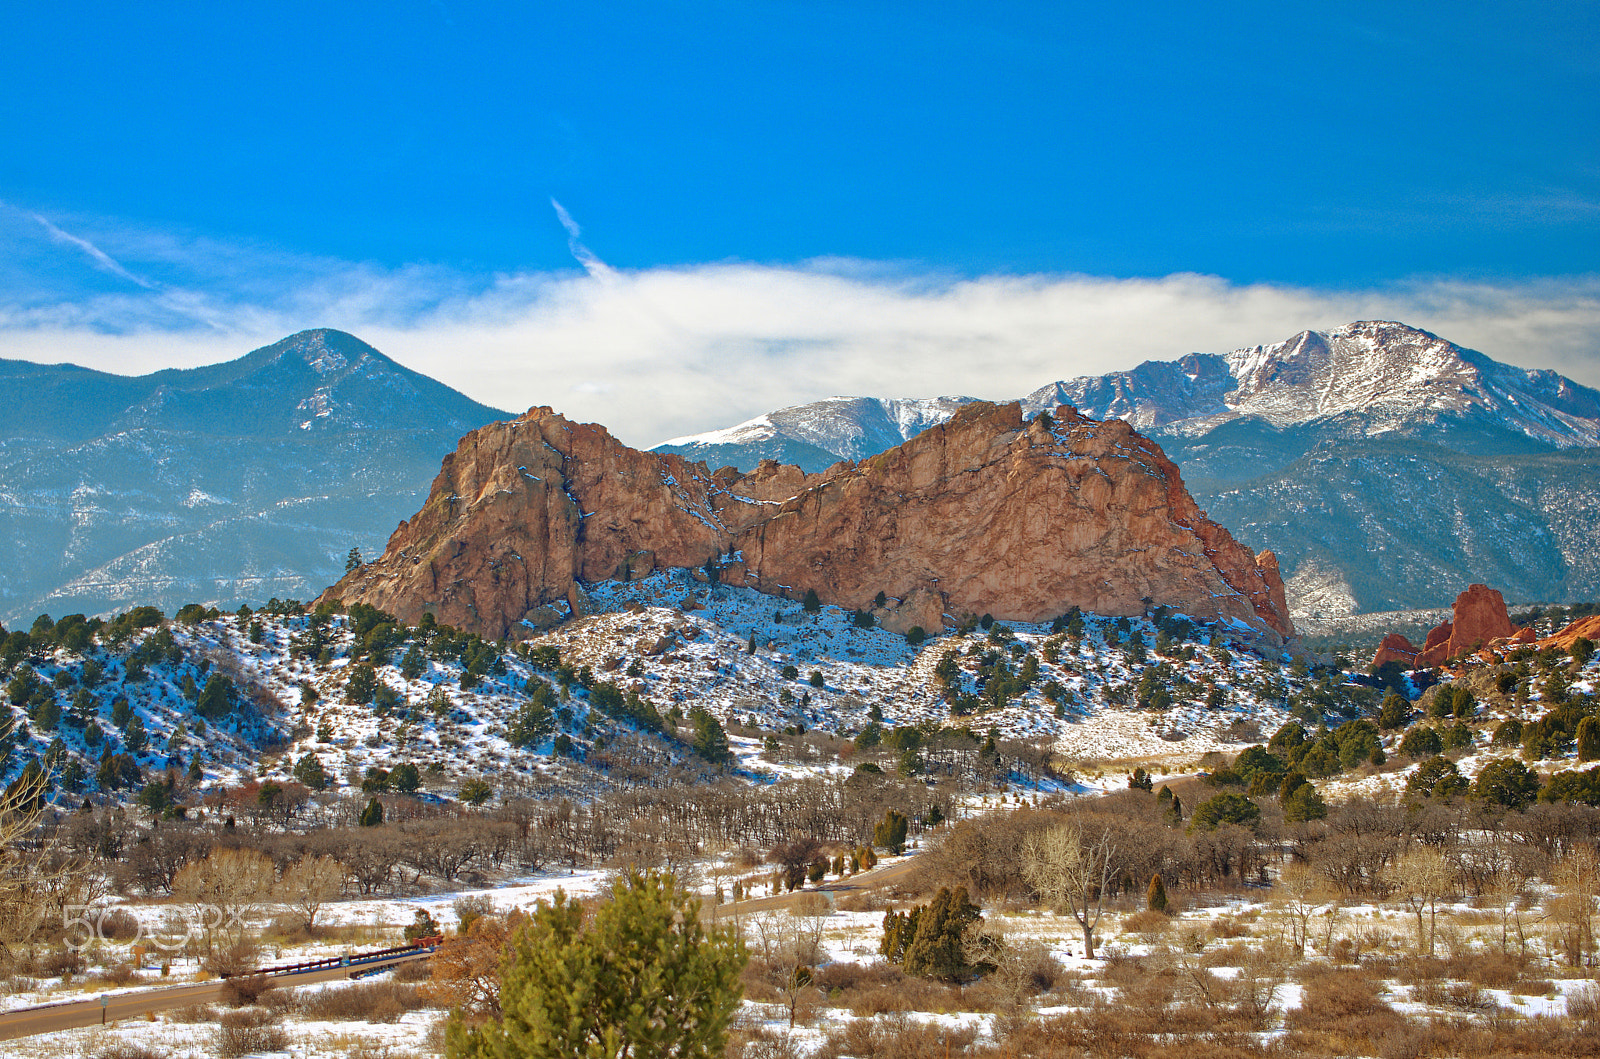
{"x": 1396, "y": 648}
{"x": 985, "y": 514}
{"x": 1584, "y": 628}
{"x": 1479, "y": 617}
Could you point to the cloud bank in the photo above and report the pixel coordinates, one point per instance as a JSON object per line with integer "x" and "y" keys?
{"x": 661, "y": 352}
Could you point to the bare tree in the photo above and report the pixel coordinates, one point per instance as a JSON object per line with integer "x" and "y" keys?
{"x": 1070, "y": 868}
{"x": 309, "y": 883}
{"x": 34, "y": 874}
{"x": 790, "y": 944}
{"x": 1421, "y": 878}
{"x": 1577, "y": 877}
{"x": 221, "y": 892}
{"x": 1299, "y": 891}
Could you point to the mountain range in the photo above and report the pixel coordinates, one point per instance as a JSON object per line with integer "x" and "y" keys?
{"x": 227, "y": 483}
{"x": 1385, "y": 466}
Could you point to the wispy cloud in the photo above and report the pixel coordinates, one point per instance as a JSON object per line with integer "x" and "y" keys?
{"x": 98, "y": 256}
{"x": 657, "y": 353}
{"x": 581, "y": 253}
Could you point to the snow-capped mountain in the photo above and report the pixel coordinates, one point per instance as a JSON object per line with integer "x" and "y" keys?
{"x": 229, "y": 483}
{"x": 819, "y": 434}
{"x": 1386, "y": 466}
{"x": 1361, "y": 380}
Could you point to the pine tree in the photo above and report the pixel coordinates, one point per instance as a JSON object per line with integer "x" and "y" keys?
{"x": 939, "y": 948}
{"x": 1155, "y": 898}
{"x": 372, "y": 815}
{"x": 353, "y": 561}
{"x": 890, "y": 832}
{"x": 1588, "y": 739}
{"x": 812, "y": 604}
{"x": 641, "y": 978}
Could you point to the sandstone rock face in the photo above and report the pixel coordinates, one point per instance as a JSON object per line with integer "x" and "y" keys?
{"x": 1396, "y": 648}
{"x": 523, "y": 511}
{"x": 1584, "y": 628}
{"x": 985, "y": 514}
{"x": 1479, "y": 617}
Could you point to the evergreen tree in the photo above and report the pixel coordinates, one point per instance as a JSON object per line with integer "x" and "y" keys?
{"x": 1304, "y": 803}
{"x": 708, "y": 738}
{"x": 362, "y": 685}
{"x": 1506, "y": 782}
{"x": 1140, "y": 780}
{"x": 1588, "y": 739}
{"x": 216, "y": 698}
{"x": 372, "y": 815}
{"x": 309, "y": 771}
{"x": 640, "y": 978}
{"x": 533, "y": 723}
{"x": 1395, "y": 712}
{"x": 1225, "y": 808}
{"x": 405, "y": 778}
{"x": 939, "y": 948}
{"x": 353, "y": 561}
{"x": 890, "y": 832}
{"x": 812, "y": 604}
{"x": 412, "y": 663}
{"x": 1155, "y": 898}
{"x": 422, "y": 925}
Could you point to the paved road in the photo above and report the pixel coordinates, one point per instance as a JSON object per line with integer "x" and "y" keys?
{"x": 25, "y": 1022}
{"x": 876, "y": 879}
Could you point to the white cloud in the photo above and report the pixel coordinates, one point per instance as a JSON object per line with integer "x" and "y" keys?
{"x": 669, "y": 351}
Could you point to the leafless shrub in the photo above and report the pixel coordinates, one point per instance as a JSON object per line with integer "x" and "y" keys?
{"x": 248, "y": 1030}
{"x": 57, "y": 963}
{"x": 237, "y": 958}
{"x": 193, "y": 1014}
{"x": 1342, "y": 1012}
{"x": 128, "y": 1050}
{"x": 118, "y": 974}
{"x": 1148, "y": 922}
{"x": 758, "y": 1042}
{"x": 377, "y": 1001}
{"x": 896, "y": 1037}
{"x": 119, "y": 925}
{"x": 1583, "y": 1006}
{"x": 246, "y": 989}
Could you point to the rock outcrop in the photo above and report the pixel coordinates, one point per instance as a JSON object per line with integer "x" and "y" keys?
{"x": 1582, "y": 629}
{"x": 1396, "y": 648}
{"x": 1478, "y": 619}
{"x": 984, "y": 514}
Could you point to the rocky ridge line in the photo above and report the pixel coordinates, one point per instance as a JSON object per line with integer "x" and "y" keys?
{"x": 986, "y": 513}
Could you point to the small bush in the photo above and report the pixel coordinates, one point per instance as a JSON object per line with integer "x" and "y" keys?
{"x": 119, "y": 925}
{"x": 128, "y": 1050}
{"x": 118, "y": 974}
{"x": 378, "y": 1001}
{"x": 1147, "y": 922}
{"x": 248, "y": 1030}
{"x": 245, "y": 991}
{"x": 193, "y": 1014}
{"x": 60, "y": 963}
{"x": 896, "y": 1037}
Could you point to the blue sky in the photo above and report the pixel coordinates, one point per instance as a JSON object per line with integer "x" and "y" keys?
{"x": 179, "y": 180}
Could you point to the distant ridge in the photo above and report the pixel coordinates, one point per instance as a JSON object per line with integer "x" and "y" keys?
{"x": 227, "y": 483}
